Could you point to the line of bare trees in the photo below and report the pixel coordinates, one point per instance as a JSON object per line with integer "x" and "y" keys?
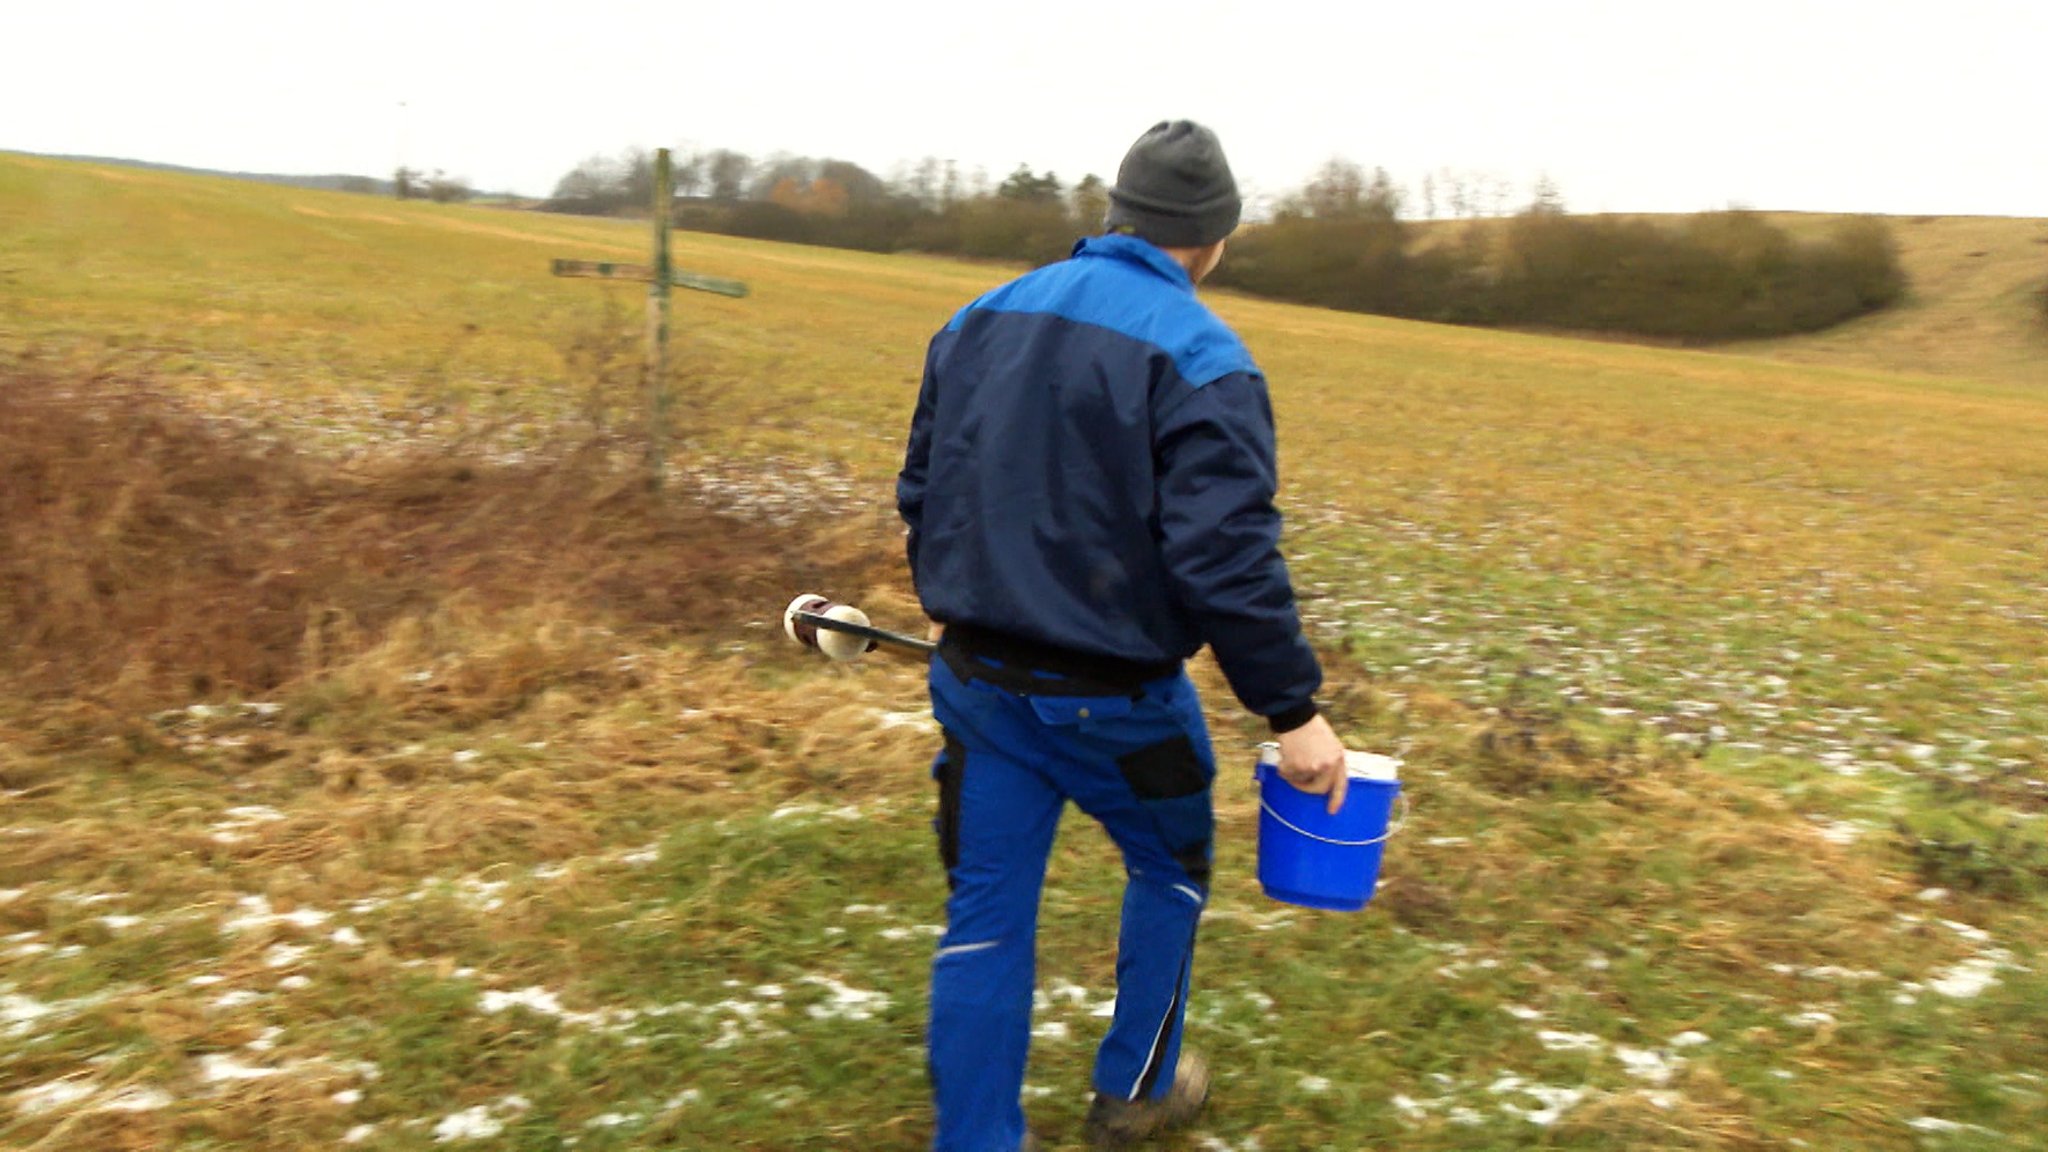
{"x": 438, "y": 186}
{"x": 1349, "y": 238}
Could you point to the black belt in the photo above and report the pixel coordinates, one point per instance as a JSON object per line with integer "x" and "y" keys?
{"x": 1029, "y": 668}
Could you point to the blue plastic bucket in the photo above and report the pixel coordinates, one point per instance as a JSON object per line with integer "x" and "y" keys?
{"x": 1308, "y": 856}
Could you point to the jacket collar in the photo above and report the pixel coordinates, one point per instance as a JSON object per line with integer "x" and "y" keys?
{"x": 1132, "y": 250}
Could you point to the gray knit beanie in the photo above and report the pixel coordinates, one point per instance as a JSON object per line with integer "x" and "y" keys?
{"x": 1175, "y": 188}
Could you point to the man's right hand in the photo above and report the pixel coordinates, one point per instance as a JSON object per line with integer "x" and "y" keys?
{"x": 1312, "y": 759}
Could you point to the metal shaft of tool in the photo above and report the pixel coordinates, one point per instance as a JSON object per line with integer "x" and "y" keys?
{"x": 879, "y": 635}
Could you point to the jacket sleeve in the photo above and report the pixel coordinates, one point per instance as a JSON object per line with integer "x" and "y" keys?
{"x": 910, "y": 482}
{"x": 1220, "y": 534}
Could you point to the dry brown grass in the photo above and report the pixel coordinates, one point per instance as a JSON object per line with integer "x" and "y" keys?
{"x": 153, "y": 555}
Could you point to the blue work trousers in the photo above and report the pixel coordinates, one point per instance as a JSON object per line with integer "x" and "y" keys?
{"x": 1140, "y": 763}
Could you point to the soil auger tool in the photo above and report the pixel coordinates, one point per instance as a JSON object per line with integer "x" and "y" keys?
{"x": 841, "y": 631}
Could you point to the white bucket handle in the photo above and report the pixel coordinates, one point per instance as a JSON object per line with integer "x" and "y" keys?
{"x": 1380, "y": 839}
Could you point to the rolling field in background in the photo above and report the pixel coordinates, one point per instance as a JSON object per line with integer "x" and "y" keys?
{"x": 384, "y": 768}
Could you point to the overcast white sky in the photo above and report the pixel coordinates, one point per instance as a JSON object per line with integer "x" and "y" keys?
{"x": 1900, "y": 106}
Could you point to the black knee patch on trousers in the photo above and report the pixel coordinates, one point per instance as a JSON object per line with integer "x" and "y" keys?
{"x": 1164, "y": 771}
{"x": 952, "y": 762}
{"x": 1171, "y": 770}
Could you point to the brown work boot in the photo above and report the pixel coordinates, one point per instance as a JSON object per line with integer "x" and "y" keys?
{"x": 1114, "y": 1123}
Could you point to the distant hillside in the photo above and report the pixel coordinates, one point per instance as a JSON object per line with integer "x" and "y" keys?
{"x": 1971, "y": 307}
{"x": 331, "y": 182}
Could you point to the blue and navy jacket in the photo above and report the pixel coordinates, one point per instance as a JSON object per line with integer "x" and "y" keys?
{"x": 1091, "y": 468}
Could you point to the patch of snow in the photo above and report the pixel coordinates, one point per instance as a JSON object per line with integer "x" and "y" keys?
{"x": 1557, "y": 1041}
{"x": 1314, "y": 1084}
{"x": 1555, "y": 1101}
{"x": 256, "y": 913}
{"x": 215, "y": 1068}
{"x": 20, "y": 1013}
{"x": 847, "y": 1003}
{"x": 1967, "y": 932}
{"x": 483, "y": 894}
{"x": 1831, "y": 972}
{"x": 469, "y": 1124}
{"x": 542, "y": 1002}
{"x": 1970, "y": 978}
{"x": 932, "y": 930}
{"x": 482, "y": 1122}
{"x": 52, "y": 1096}
{"x": 136, "y": 1100}
{"x": 1837, "y": 831}
{"x": 235, "y": 822}
{"x": 1647, "y": 1064}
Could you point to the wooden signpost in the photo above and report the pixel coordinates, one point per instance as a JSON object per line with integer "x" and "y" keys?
{"x": 659, "y": 278}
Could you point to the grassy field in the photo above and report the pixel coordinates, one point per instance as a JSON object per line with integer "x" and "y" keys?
{"x": 382, "y": 768}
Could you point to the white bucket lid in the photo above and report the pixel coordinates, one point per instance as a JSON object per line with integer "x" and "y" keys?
{"x": 1357, "y": 765}
{"x": 1371, "y": 766}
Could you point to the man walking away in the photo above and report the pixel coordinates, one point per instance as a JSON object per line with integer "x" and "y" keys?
{"x": 1089, "y": 490}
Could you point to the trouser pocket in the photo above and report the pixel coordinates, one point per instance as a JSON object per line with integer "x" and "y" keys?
{"x": 947, "y": 768}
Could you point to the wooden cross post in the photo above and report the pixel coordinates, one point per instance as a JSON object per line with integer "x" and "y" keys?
{"x": 659, "y": 276}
